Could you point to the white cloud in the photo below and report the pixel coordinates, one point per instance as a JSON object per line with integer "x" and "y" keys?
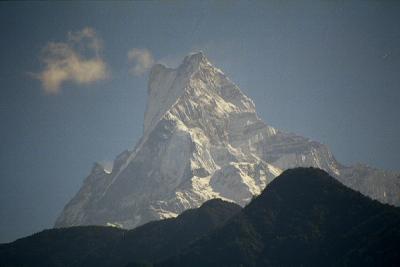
{"x": 142, "y": 60}
{"x": 77, "y": 60}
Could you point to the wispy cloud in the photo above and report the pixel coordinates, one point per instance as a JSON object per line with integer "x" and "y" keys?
{"x": 76, "y": 60}
{"x": 142, "y": 60}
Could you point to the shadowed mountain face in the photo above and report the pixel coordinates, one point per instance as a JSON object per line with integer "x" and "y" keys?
{"x": 109, "y": 246}
{"x": 304, "y": 217}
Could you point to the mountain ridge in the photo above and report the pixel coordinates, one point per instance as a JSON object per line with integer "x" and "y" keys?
{"x": 202, "y": 139}
{"x": 304, "y": 217}
{"x": 111, "y": 246}
{"x": 309, "y": 215}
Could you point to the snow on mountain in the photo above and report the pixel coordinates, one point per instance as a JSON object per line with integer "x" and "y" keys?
{"x": 202, "y": 139}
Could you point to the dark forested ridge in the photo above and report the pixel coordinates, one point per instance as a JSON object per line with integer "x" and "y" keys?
{"x": 303, "y": 218}
{"x": 108, "y": 246}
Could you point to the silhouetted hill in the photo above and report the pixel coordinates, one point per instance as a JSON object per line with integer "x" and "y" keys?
{"x": 303, "y": 218}
{"x": 107, "y": 246}
{"x": 60, "y": 247}
{"x": 156, "y": 241}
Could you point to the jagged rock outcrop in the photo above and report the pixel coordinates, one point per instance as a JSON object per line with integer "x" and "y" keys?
{"x": 202, "y": 139}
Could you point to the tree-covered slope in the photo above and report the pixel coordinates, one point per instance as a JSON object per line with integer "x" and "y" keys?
{"x": 303, "y": 218}
{"x": 108, "y": 246}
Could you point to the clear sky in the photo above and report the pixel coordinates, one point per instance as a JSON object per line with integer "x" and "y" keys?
{"x": 73, "y": 80}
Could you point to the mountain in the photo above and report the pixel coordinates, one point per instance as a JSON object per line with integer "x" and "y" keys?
{"x": 202, "y": 139}
{"x": 109, "y": 246}
{"x": 303, "y": 218}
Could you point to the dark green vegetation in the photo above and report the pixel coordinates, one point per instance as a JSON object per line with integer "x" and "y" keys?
{"x": 108, "y": 246}
{"x": 303, "y": 218}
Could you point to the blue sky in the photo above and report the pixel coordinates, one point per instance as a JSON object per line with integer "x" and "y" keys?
{"x": 328, "y": 70}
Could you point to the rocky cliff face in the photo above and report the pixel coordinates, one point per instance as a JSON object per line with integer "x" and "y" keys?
{"x": 203, "y": 139}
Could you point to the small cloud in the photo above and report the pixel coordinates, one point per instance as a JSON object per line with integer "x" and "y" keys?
{"x": 77, "y": 60}
{"x": 87, "y": 36}
{"x": 142, "y": 59}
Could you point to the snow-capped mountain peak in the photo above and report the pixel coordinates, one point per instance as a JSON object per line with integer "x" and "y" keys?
{"x": 166, "y": 85}
{"x": 196, "y": 77}
{"x": 202, "y": 139}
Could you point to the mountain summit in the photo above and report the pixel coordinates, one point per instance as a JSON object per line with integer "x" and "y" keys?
{"x": 202, "y": 139}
